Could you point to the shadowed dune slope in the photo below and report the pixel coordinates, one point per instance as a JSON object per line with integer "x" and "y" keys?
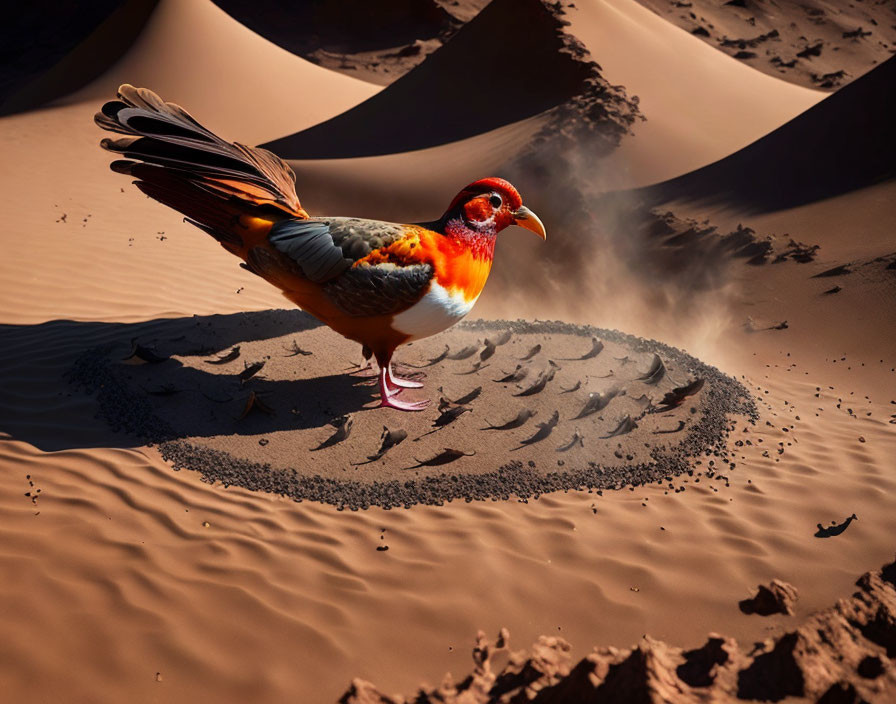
{"x": 51, "y": 49}
{"x": 842, "y": 144}
{"x": 509, "y": 63}
{"x": 235, "y": 82}
{"x": 700, "y": 105}
{"x": 344, "y": 25}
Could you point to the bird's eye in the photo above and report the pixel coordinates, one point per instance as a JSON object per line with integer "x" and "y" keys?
{"x": 495, "y": 200}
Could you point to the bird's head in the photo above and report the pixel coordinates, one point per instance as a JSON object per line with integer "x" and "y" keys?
{"x": 487, "y": 206}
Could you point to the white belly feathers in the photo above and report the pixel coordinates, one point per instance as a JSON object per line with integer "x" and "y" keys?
{"x": 438, "y": 310}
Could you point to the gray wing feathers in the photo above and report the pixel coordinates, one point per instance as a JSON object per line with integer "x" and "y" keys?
{"x": 310, "y": 245}
{"x": 326, "y": 249}
{"x": 379, "y": 290}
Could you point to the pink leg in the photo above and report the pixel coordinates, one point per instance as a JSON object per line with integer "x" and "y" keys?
{"x": 387, "y": 395}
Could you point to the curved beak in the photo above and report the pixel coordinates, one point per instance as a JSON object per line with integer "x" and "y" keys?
{"x": 526, "y": 218}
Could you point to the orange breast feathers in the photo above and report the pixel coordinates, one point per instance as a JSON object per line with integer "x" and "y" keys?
{"x": 456, "y": 268}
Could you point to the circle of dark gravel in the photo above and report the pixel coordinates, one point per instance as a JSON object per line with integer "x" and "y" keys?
{"x": 126, "y": 411}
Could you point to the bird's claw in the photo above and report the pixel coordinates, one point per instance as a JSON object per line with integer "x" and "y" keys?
{"x": 398, "y": 383}
{"x": 392, "y": 402}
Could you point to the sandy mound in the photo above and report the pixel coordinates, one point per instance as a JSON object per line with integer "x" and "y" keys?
{"x": 841, "y": 654}
{"x": 842, "y": 144}
{"x": 48, "y": 53}
{"x": 374, "y": 41}
{"x": 514, "y": 42}
{"x": 194, "y": 54}
{"x": 526, "y": 409}
{"x": 811, "y": 43}
{"x": 700, "y": 105}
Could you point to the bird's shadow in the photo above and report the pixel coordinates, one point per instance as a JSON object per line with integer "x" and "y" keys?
{"x": 64, "y": 385}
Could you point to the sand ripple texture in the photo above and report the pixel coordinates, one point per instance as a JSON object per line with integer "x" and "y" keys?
{"x": 124, "y": 580}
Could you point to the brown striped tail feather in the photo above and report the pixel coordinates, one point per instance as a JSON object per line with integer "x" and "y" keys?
{"x": 180, "y": 163}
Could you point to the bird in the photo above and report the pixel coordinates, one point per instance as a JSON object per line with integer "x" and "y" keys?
{"x": 380, "y": 284}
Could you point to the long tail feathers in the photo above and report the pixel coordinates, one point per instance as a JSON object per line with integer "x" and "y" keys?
{"x": 180, "y": 163}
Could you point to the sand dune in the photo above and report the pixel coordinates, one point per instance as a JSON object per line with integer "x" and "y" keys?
{"x": 700, "y": 105}
{"x": 55, "y": 53}
{"x": 236, "y": 82}
{"x": 839, "y": 654}
{"x": 376, "y": 42}
{"x": 481, "y": 80}
{"x": 844, "y": 143}
{"x": 126, "y": 581}
{"x": 813, "y": 43}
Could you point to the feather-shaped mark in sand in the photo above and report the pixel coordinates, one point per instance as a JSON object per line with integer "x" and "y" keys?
{"x": 225, "y": 358}
{"x": 254, "y": 403}
{"x": 656, "y": 372}
{"x": 389, "y": 439}
{"x": 249, "y": 371}
{"x": 626, "y": 425}
{"x": 544, "y": 430}
{"x": 520, "y": 420}
{"x": 517, "y": 374}
{"x": 475, "y": 368}
{"x": 531, "y": 353}
{"x": 577, "y": 440}
{"x": 468, "y": 397}
{"x": 680, "y": 427}
{"x": 295, "y": 350}
{"x": 538, "y": 385}
{"x": 675, "y": 397}
{"x": 574, "y": 387}
{"x": 343, "y": 429}
{"x": 444, "y": 457}
{"x": 597, "y": 402}
{"x": 435, "y": 360}
{"x": 446, "y": 417}
{"x": 487, "y": 351}
{"x": 465, "y": 353}
{"x": 596, "y": 348}
{"x": 142, "y": 354}
{"x": 643, "y": 401}
{"x": 502, "y": 339}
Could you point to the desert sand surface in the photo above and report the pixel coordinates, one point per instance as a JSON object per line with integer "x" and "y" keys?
{"x": 124, "y": 580}
{"x": 814, "y": 43}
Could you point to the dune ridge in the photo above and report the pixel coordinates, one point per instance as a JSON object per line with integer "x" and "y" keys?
{"x": 29, "y": 84}
{"x": 812, "y": 43}
{"x": 479, "y": 81}
{"x": 123, "y": 580}
{"x": 234, "y": 81}
{"x": 844, "y": 143}
{"x": 840, "y": 654}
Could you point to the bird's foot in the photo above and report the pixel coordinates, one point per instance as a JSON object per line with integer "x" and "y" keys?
{"x": 389, "y": 389}
{"x": 398, "y": 382}
{"x": 392, "y": 402}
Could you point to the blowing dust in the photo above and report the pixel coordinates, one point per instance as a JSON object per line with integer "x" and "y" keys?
{"x": 609, "y": 260}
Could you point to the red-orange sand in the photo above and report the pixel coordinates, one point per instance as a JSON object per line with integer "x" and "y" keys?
{"x": 122, "y": 580}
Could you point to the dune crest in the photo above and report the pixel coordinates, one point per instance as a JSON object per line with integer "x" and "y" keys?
{"x": 811, "y": 43}
{"x": 840, "y": 654}
{"x": 842, "y": 144}
{"x": 239, "y": 84}
{"x": 482, "y": 79}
